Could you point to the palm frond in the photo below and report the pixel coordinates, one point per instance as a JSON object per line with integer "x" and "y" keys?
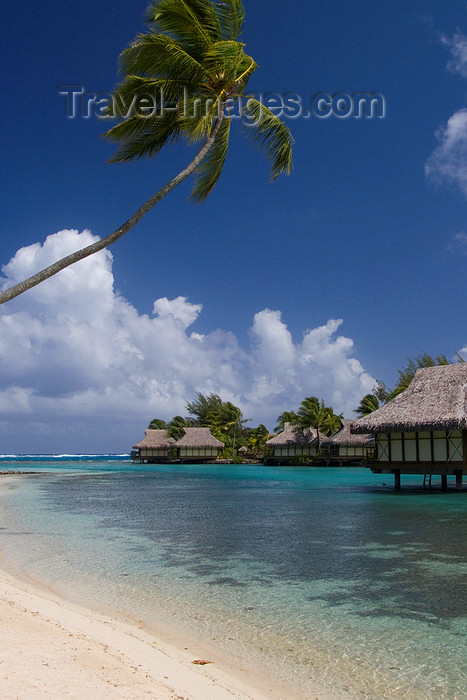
{"x": 272, "y": 135}
{"x": 157, "y": 55}
{"x": 143, "y": 136}
{"x": 210, "y": 169}
{"x": 245, "y": 70}
{"x": 223, "y": 59}
{"x": 192, "y": 22}
{"x": 197, "y": 115}
{"x": 128, "y": 97}
{"x": 231, "y": 15}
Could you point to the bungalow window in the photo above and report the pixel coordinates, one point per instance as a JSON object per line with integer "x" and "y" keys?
{"x": 424, "y": 447}
{"x": 410, "y": 447}
{"x": 396, "y": 447}
{"x": 439, "y": 446}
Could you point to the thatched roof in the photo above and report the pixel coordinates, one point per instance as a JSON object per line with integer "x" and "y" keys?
{"x": 345, "y": 437}
{"x": 289, "y": 437}
{"x": 436, "y": 399}
{"x": 198, "y": 437}
{"x": 155, "y": 439}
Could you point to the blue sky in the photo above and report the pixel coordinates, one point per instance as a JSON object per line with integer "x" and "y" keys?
{"x": 369, "y": 229}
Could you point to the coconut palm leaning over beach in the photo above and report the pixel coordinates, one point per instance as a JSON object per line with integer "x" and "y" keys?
{"x": 194, "y": 68}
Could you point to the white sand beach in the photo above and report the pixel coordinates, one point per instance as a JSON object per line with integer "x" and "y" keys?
{"x": 51, "y": 648}
{"x": 54, "y": 649}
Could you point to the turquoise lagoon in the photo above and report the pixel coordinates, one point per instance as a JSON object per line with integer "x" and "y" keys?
{"x": 325, "y": 574}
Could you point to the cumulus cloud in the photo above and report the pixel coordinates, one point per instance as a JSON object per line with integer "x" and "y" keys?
{"x": 448, "y": 162}
{"x": 458, "y": 47}
{"x": 178, "y": 308}
{"x": 82, "y": 370}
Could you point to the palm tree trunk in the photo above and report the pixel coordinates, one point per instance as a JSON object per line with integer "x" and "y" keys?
{"x": 39, "y": 277}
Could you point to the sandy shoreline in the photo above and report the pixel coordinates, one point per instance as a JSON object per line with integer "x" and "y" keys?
{"x": 53, "y": 648}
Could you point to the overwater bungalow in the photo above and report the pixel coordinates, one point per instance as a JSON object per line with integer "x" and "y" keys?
{"x": 154, "y": 447}
{"x": 291, "y": 444}
{"x": 345, "y": 448}
{"x": 197, "y": 445}
{"x": 424, "y": 429}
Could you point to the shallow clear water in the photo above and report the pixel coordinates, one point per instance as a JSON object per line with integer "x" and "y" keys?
{"x": 305, "y": 573}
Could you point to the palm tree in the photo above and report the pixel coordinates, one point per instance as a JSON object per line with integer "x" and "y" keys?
{"x": 367, "y": 405}
{"x": 285, "y": 417}
{"x": 313, "y": 413}
{"x": 176, "y": 425}
{"x": 228, "y": 420}
{"x": 157, "y": 424}
{"x": 194, "y": 67}
{"x": 204, "y": 408}
{"x": 256, "y": 438}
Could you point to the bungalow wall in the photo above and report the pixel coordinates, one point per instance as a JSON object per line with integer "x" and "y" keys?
{"x": 354, "y": 451}
{"x": 198, "y": 452}
{"x": 285, "y": 451}
{"x": 153, "y": 453}
{"x": 436, "y": 451}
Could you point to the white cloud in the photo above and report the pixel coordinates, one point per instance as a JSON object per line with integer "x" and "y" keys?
{"x": 458, "y": 47}
{"x": 82, "y": 370}
{"x": 178, "y": 308}
{"x": 458, "y": 243}
{"x": 448, "y": 162}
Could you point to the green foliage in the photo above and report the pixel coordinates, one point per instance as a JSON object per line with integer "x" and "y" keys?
{"x": 381, "y": 391}
{"x": 367, "y": 405}
{"x": 301, "y": 460}
{"x": 203, "y": 408}
{"x": 407, "y": 373}
{"x": 224, "y": 437}
{"x": 285, "y": 417}
{"x": 222, "y": 417}
{"x": 313, "y": 413}
{"x": 381, "y": 394}
{"x": 255, "y": 439}
{"x": 210, "y": 169}
{"x": 157, "y": 424}
{"x": 193, "y": 68}
{"x": 176, "y": 425}
{"x": 213, "y": 412}
{"x": 272, "y": 135}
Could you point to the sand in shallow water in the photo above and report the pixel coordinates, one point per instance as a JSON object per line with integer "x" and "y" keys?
{"x": 50, "y": 648}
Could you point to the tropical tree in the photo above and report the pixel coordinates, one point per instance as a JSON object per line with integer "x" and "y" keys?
{"x": 229, "y": 418}
{"x": 176, "y": 426}
{"x": 407, "y": 373}
{"x": 285, "y": 417}
{"x": 204, "y": 409}
{"x": 223, "y": 418}
{"x": 381, "y": 391}
{"x": 157, "y": 424}
{"x": 313, "y": 413}
{"x": 256, "y": 438}
{"x": 367, "y": 405}
{"x": 182, "y": 79}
